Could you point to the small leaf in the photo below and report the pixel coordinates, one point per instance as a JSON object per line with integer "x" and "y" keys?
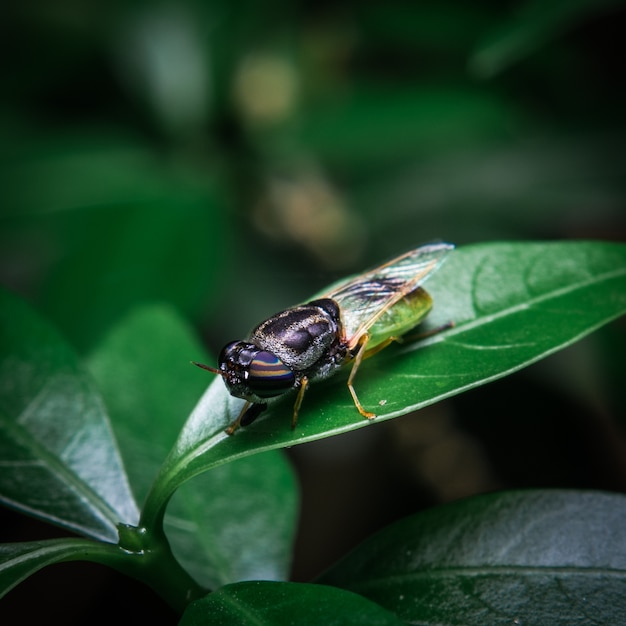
{"x": 18, "y": 561}
{"x": 276, "y": 604}
{"x": 543, "y": 557}
{"x": 143, "y": 369}
{"x": 511, "y": 303}
{"x": 58, "y": 456}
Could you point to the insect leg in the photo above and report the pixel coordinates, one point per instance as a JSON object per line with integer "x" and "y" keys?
{"x": 304, "y": 383}
{"x": 248, "y": 414}
{"x": 235, "y": 425}
{"x": 363, "y": 353}
{"x": 357, "y": 361}
{"x": 372, "y": 351}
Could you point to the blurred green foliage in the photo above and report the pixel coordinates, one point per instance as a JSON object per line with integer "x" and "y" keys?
{"x": 187, "y": 151}
{"x": 230, "y": 159}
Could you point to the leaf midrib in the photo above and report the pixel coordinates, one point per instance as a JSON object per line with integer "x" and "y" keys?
{"x": 24, "y": 438}
{"x": 487, "y": 318}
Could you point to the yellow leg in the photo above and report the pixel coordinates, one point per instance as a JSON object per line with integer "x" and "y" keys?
{"x": 304, "y": 383}
{"x": 357, "y": 361}
{"x": 372, "y": 351}
{"x": 235, "y": 425}
{"x": 363, "y": 353}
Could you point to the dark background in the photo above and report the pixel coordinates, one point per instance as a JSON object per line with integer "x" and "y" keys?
{"x": 232, "y": 158}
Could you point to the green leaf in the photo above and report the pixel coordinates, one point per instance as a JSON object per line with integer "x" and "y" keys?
{"x": 273, "y": 603}
{"x": 151, "y": 563}
{"x": 18, "y": 561}
{"x": 542, "y": 557}
{"x": 143, "y": 373}
{"x": 236, "y": 522}
{"x": 512, "y": 304}
{"x": 143, "y": 370}
{"x": 58, "y": 456}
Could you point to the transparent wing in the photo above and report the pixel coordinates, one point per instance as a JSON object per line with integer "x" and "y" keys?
{"x": 364, "y": 298}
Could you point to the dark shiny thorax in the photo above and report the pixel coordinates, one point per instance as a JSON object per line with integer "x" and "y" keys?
{"x": 306, "y": 338}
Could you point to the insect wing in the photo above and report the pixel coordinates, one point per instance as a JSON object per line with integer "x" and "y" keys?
{"x": 365, "y": 298}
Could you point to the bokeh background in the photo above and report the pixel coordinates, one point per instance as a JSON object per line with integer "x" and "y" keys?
{"x": 230, "y": 159}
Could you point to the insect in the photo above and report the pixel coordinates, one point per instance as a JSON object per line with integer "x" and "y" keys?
{"x": 352, "y": 320}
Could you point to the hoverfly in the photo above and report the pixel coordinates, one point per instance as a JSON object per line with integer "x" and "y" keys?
{"x": 349, "y": 322}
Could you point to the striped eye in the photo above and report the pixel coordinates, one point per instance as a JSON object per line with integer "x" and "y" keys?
{"x": 268, "y": 376}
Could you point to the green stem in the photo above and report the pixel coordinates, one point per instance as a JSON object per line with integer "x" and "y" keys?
{"x": 153, "y": 512}
{"x": 147, "y": 556}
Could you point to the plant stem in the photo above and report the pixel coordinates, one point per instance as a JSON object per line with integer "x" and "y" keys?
{"x": 147, "y": 556}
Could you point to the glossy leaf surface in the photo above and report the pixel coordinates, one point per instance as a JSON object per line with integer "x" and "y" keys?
{"x": 58, "y": 456}
{"x": 18, "y": 561}
{"x": 549, "y": 557}
{"x": 143, "y": 370}
{"x": 276, "y": 604}
{"x": 511, "y": 303}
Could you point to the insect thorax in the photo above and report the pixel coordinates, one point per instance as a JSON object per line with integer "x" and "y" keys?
{"x": 306, "y": 338}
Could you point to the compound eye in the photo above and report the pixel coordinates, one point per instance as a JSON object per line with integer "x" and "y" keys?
{"x": 268, "y": 376}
